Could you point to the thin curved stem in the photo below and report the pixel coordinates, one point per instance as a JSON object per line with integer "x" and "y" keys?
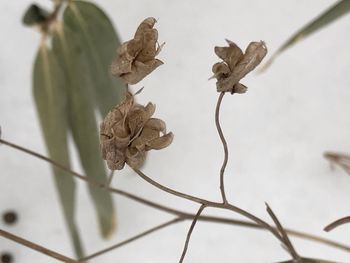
{"x": 224, "y": 144}
{"x": 36, "y": 247}
{"x": 200, "y": 210}
{"x": 171, "y": 191}
{"x": 339, "y": 222}
{"x": 129, "y": 240}
{"x": 211, "y": 204}
{"x": 169, "y": 210}
{"x": 286, "y": 241}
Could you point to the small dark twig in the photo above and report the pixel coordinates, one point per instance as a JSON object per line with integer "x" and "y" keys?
{"x": 339, "y": 222}
{"x": 286, "y": 241}
{"x": 129, "y": 240}
{"x": 200, "y": 210}
{"x": 36, "y": 247}
{"x": 224, "y": 144}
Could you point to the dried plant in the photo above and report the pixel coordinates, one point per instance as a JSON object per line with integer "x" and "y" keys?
{"x": 128, "y": 131}
{"x": 236, "y": 65}
{"x": 136, "y": 57}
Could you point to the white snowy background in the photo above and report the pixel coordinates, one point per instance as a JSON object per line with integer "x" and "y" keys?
{"x": 277, "y": 133}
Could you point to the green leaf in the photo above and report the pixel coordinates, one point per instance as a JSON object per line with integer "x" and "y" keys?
{"x": 35, "y": 15}
{"x": 50, "y": 98}
{"x": 331, "y": 14}
{"x": 82, "y": 121}
{"x": 97, "y": 40}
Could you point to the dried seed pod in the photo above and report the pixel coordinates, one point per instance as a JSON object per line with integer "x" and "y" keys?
{"x": 236, "y": 65}
{"x": 128, "y": 132}
{"x": 136, "y": 58}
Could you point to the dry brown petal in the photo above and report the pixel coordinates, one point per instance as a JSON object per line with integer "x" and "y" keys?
{"x": 138, "y": 116}
{"x": 135, "y": 158}
{"x": 161, "y": 142}
{"x": 220, "y": 70}
{"x": 140, "y": 70}
{"x": 253, "y": 56}
{"x": 239, "y": 65}
{"x": 239, "y": 88}
{"x": 231, "y": 54}
{"x": 126, "y": 54}
{"x": 150, "y": 132}
{"x": 136, "y": 58}
{"x": 115, "y": 158}
{"x": 145, "y": 26}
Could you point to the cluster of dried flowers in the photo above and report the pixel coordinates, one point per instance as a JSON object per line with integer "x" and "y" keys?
{"x": 236, "y": 65}
{"x": 128, "y": 131}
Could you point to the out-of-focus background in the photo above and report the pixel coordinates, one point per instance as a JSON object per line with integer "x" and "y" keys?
{"x": 277, "y": 133}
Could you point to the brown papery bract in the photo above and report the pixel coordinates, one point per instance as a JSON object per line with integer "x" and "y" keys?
{"x": 128, "y": 132}
{"x": 136, "y": 57}
{"x": 236, "y": 65}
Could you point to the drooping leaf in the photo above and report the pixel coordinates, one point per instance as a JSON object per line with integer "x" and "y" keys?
{"x": 51, "y": 101}
{"x": 334, "y": 12}
{"x": 82, "y": 121}
{"x": 97, "y": 40}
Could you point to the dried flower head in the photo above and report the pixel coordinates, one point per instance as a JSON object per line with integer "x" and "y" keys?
{"x": 136, "y": 57}
{"x": 236, "y": 65}
{"x": 128, "y": 132}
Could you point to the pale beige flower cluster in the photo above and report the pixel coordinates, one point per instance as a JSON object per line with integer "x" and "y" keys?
{"x": 236, "y": 65}
{"x": 136, "y": 57}
{"x": 128, "y": 132}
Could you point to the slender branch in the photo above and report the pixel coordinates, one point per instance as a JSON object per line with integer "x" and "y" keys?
{"x": 169, "y": 210}
{"x": 171, "y": 191}
{"x": 339, "y": 222}
{"x": 129, "y": 240}
{"x": 36, "y": 247}
{"x": 288, "y": 244}
{"x": 200, "y": 210}
{"x": 210, "y": 203}
{"x": 224, "y": 144}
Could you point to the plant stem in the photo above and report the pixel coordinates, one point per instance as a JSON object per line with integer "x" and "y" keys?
{"x": 36, "y": 247}
{"x": 129, "y": 240}
{"x": 208, "y": 203}
{"x": 200, "y": 210}
{"x": 224, "y": 144}
{"x": 339, "y": 222}
{"x": 187, "y": 216}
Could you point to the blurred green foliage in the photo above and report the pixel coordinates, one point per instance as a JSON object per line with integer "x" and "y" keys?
{"x": 71, "y": 83}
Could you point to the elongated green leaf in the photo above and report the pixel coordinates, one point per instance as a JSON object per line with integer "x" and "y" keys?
{"x": 97, "y": 40}
{"x": 334, "y": 12}
{"x": 50, "y": 98}
{"x": 82, "y": 123}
